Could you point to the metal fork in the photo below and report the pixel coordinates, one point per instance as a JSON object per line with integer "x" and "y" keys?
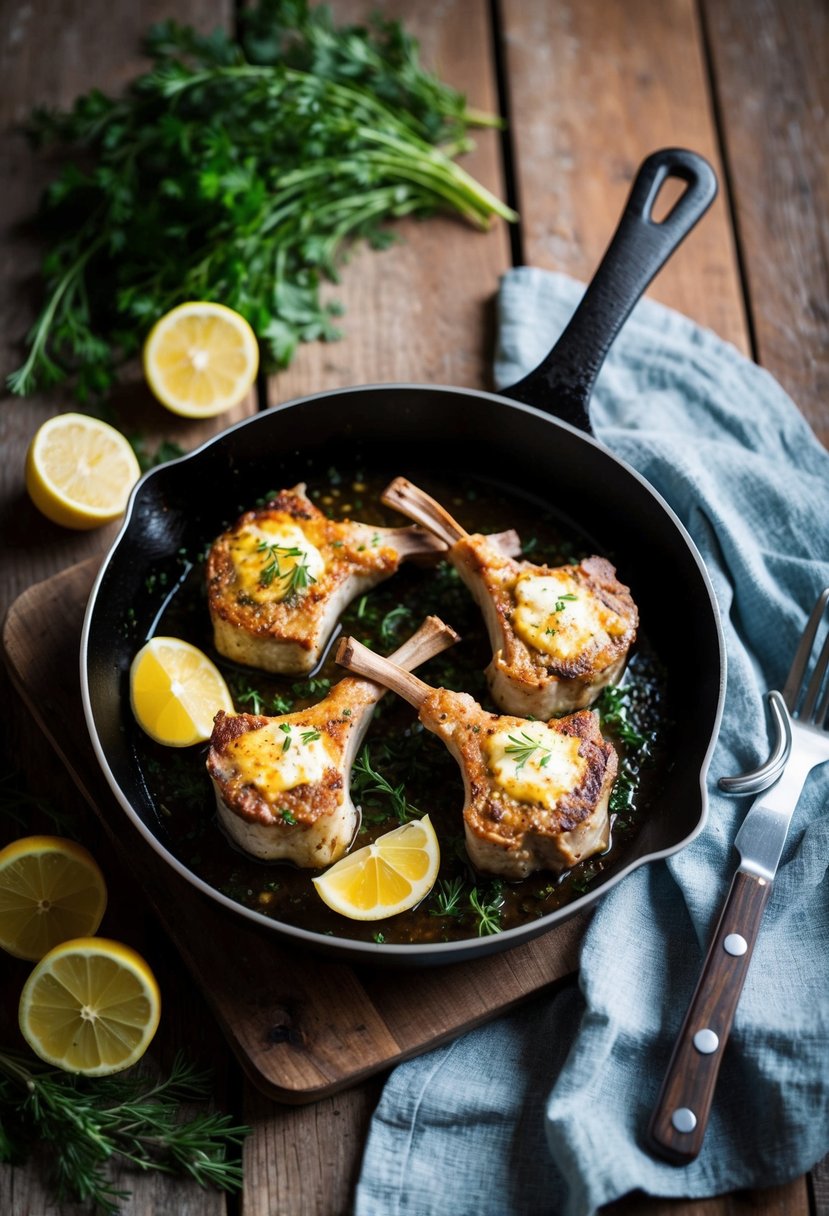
{"x": 680, "y": 1116}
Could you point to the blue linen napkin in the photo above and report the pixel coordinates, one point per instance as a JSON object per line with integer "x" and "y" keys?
{"x": 544, "y": 1111}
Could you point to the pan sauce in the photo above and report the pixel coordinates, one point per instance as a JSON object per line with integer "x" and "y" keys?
{"x": 463, "y": 904}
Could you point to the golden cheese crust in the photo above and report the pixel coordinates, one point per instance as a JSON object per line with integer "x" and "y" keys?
{"x": 528, "y": 674}
{"x": 510, "y": 837}
{"x": 254, "y": 620}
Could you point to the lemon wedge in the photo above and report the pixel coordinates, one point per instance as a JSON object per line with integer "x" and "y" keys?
{"x": 389, "y": 876}
{"x": 90, "y": 1006}
{"x": 200, "y": 359}
{"x": 80, "y": 471}
{"x": 51, "y": 890}
{"x": 176, "y": 692}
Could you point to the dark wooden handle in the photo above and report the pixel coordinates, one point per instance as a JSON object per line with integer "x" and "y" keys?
{"x": 680, "y": 1116}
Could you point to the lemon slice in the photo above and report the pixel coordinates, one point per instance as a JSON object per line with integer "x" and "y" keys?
{"x": 51, "y": 889}
{"x": 176, "y": 692}
{"x": 200, "y": 359}
{"x": 386, "y": 877}
{"x": 90, "y": 1006}
{"x": 79, "y": 471}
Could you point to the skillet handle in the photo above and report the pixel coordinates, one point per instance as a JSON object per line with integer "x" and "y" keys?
{"x": 563, "y": 382}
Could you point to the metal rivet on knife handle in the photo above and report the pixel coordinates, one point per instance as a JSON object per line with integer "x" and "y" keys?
{"x": 735, "y": 944}
{"x": 684, "y": 1119}
{"x": 706, "y": 1041}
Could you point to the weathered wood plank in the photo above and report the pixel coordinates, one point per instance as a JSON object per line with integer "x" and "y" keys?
{"x": 305, "y": 1161}
{"x": 593, "y": 88}
{"x": 89, "y": 45}
{"x": 773, "y": 93}
{"x": 421, "y": 310}
{"x": 789, "y": 1200}
{"x": 48, "y": 55}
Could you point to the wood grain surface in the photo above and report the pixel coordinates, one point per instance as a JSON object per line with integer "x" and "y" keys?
{"x": 590, "y": 87}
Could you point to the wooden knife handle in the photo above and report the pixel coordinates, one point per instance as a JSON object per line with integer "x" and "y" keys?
{"x": 680, "y": 1117}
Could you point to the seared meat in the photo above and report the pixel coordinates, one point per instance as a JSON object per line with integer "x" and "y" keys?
{"x": 282, "y": 783}
{"x": 535, "y": 793}
{"x": 279, "y": 579}
{"x": 559, "y": 634}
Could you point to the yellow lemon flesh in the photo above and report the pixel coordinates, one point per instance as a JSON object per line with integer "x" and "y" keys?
{"x": 51, "y": 890}
{"x": 176, "y": 691}
{"x": 389, "y": 876}
{"x": 80, "y": 471}
{"x": 200, "y": 359}
{"x": 90, "y": 1006}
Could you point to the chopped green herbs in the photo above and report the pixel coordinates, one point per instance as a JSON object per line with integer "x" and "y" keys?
{"x": 286, "y": 730}
{"x": 567, "y": 597}
{"x": 310, "y": 736}
{"x": 287, "y": 815}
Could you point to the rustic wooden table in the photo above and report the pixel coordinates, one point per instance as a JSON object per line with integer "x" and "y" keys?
{"x": 590, "y": 87}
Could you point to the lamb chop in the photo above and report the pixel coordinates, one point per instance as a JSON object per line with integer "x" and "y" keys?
{"x": 559, "y": 634}
{"x": 279, "y": 579}
{"x": 535, "y": 793}
{"x": 282, "y": 783}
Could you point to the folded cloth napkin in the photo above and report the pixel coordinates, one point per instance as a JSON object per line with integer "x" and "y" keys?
{"x": 544, "y": 1111}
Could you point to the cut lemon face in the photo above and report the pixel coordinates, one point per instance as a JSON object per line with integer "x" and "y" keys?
{"x": 90, "y": 1006}
{"x": 79, "y": 471}
{"x": 176, "y": 691}
{"x": 200, "y": 359}
{"x": 386, "y": 877}
{"x": 51, "y": 890}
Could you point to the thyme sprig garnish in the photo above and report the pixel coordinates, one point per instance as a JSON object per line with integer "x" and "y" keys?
{"x": 367, "y": 783}
{"x": 296, "y": 578}
{"x": 87, "y": 1123}
{"x": 453, "y": 898}
{"x": 523, "y": 747}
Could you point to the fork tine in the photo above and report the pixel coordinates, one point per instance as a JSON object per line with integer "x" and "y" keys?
{"x": 791, "y": 689}
{"x": 815, "y": 685}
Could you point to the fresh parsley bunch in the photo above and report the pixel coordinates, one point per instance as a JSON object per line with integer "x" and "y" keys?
{"x": 238, "y": 171}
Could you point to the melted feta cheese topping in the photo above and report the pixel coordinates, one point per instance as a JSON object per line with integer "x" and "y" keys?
{"x": 534, "y": 763}
{"x": 560, "y": 616}
{"x": 273, "y": 560}
{"x": 280, "y": 757}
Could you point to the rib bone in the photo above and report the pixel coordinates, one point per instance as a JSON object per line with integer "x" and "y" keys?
{"x": 547, "y": 811}
{"x": 313, "y": 821}
{"x": 266, "y": 617}
{"x": 527, "y": 607}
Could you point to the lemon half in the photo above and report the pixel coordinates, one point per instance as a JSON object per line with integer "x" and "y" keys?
{"x": 80, "y": 471}
{"x": 389, "y": 876}
{"x": 201, "y": 359}
{"x": 51, "y": 890}
{"x": 90, "y": 1006}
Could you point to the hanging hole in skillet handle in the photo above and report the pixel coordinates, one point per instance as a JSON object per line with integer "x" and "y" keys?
{"x": 563, "y": 382}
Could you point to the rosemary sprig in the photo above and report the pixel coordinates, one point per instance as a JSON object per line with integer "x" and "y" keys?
{"x": 488, "y": 912}
{"x": 448, "y": 897}
{"x": 523, "y": 746}
{"x": 86, "y": 1123}
{"x": 368, "y": 783}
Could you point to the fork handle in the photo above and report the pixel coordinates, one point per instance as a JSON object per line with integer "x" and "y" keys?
{"x": 680, "y": 1117}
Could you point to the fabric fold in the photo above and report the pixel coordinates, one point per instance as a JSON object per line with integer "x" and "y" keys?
{"x": 544, "y": 1111}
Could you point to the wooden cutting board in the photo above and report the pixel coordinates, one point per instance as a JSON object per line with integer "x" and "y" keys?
{"x": 302, "y": 1026}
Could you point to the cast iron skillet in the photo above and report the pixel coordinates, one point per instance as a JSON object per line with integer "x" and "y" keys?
{"x": 536, "y": 436}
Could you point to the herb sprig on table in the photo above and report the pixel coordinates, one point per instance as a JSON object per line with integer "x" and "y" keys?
{"x": 238, "y": 171}
{"x": 86, "y": 1122}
